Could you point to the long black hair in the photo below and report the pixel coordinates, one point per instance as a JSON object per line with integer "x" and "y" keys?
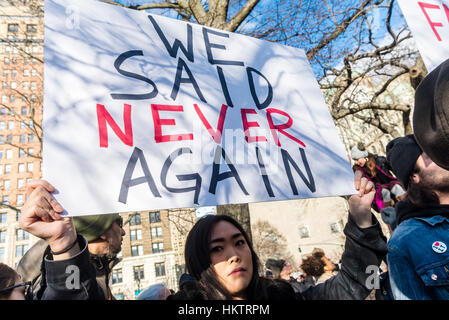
{"x": 199, "y": 265}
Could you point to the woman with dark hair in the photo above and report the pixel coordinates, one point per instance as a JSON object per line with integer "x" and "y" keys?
{"x": 221, "y": 260}
{"x": 378, "y": 170}
{"x": 11, "y": 285}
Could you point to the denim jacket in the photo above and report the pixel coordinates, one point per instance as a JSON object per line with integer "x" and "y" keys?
{"x": 417, "y": 271}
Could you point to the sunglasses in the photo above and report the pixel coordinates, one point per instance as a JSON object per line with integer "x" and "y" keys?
{"x": 28, "y": 289}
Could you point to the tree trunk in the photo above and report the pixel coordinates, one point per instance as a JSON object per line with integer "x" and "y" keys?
{"x": 239, "y": 212}
{"x": 417, "y": 73}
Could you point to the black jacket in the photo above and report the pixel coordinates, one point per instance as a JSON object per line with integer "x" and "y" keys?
{"x": 363, "y": 248}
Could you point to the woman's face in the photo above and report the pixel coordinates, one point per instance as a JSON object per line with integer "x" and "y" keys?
{"x": 231, "y": 258}
{"x": 360, "y": 162}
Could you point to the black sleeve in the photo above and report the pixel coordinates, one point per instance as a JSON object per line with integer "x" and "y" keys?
{"x": 71, "y": 279}
{"x": 363, "y": 248}
{"x": 383, "y": 163}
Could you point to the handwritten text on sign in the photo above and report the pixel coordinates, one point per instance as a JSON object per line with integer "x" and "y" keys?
{"x": 429, "y": 22}
{"x": 145, "y": 112}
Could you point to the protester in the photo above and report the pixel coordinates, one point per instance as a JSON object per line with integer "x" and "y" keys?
{"x": 158, "y": 291}
{"x": 11, "y": 285}
{"x": 64, "y": 248}
{"x": 329, "y": 269}
{"x": 221, "y": 259}
{"x": 313, "y": 268}
{"x": 377, "y": 169}
{"x": 283, "y": 270}
{"x": 418, "y": 259}
{"x": 100, "y": 238}
{"x": 431, "y": 115}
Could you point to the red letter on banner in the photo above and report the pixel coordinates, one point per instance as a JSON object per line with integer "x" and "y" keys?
{"x": 281, "y": 127}
{"x": 425, "y": 6}
{"x": 158, "y": 123}
{"x": 247, "y": 125}
{"x": 216, "y": 135}
{"x": 103, "y": 116}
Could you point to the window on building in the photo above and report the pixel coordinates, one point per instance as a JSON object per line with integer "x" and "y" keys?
{"x": 33, "y": 85}
{"x": 26, "y": 72}
{"x": 2, "y": 139}
{"x": 19, "y": 199}
{"x": 156, "y": 232}
{"x": 7, "y": 60}
{"x": 117, "y": 276}
{"x": 5, "y": 73}
{"x": 14, "y": 73}
{"x": 31, "y": 124}
{"x": 4, "y": 99}
{"x": 20, "y": 183}
{"x": 160, "y": 269}
{"x": 135, "y": 219}
{"x": 31, "y": 28}
{"x": 7, "y": 184}
{"x": 9, "y": 154}
{"x": 1, "y": 153}
{"x": 158, "y": 247}
{"x": 21, "y": 153}
{"x": 137, "y": 251}
{"x": 21, "y": 250}
{"x": 2, "y": 125}
{"x": 3, "y": 217}
{"x": 136, "y": 234}
{"x": 21, "y": 167}
{"x": 12, "y": 98}
{"x": 4, "y": 85}
{"x": 22, "y": 235}
{"x": 304, "y": 232}
{"x": 2, "y": 111}
{"x": 30, "y": 167}
{"x": 13, "y": 85}
{"x": 22, "y": 138}
{"x": 5, "y": 200}
{"x": 9, "y": 138}
{"x": 2, "y": 254}
{"x": 155, "y": 217}
{"x": 34, "y": 72}
{"x": 31, "y": 137}
{"x": 7, "y": 168}
{"x": 18, "y": 216}
{"x": 139, "y": 273}
{"x": 13, "y": 27}
{"x": 2, "y": 236}
{"x": 23, "y": 110}
{"x": 335, "y": 227}
{"x": 25, "y": 85}
{"x": 30, "y": 151}
{"x": 10, "y": 125}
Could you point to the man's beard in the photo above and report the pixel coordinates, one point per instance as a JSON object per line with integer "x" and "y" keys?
{"x": 435, "y": 182}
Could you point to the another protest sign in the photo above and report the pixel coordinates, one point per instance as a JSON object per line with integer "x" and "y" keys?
{"x": 145, "y": 112}
{"x": 429, "y": 22}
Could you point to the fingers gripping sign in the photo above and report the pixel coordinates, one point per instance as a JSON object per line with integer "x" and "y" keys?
{"x": 360, "y": 203}
{"x": 41, "y": 216}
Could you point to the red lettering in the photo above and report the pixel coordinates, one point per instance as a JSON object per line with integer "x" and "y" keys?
{"x": 432, "y": 24}
{"x": 104, "y": 117}
{"x": 158, "y": 123}
{"x": 446, "y": 10}
{"x": 247, "y": 125}
{"x": 281, "y": 127}
{"x": 216, "y": 135}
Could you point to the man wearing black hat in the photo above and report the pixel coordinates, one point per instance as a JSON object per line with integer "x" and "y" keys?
{"x": 418, "y": 259}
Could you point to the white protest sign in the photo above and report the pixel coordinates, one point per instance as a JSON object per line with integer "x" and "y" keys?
{"x": 429, "y": 23}
{"x": 143, "y": 112}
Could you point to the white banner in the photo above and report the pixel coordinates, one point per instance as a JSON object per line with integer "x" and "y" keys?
{"x": 429, "y": 22}
{"x": 144, "y": 112}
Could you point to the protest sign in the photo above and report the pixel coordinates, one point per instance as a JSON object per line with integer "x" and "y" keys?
{"x": 429, "y": 23}
{"x": 144, "y": 112}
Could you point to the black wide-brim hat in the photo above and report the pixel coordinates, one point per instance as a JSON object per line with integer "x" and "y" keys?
{"x": 431, "y": 115}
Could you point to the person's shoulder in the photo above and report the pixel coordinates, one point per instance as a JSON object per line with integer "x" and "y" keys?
{"x": 407, "y": 233}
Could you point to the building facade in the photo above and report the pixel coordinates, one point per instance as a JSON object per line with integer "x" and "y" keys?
{"x": 21, "y": 74}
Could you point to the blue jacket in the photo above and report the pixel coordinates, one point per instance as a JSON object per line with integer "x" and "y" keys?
{"x": 418, "y": 256}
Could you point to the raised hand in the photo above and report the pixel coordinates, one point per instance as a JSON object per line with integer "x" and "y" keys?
{"x": 360, "y": 203}
{"x": 41, "y": 216}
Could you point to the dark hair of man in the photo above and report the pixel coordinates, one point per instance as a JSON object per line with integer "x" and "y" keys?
{"x": 313, "y": 266}
{"x": 8, "y": 278}
{"x": 419, "y": 195}
{"x": 199, "y": 265}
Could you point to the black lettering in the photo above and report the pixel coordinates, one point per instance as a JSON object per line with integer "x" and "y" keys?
{"x": 185, "y": 177}
{"x": 224, "y": 87}
{"x": 118, "y": 62}
{"x": 217, "y": 176}
{"x": 128, "y": 182}
{"x": 210, "y": 45}
{"x": 252, "y": 88}
{"x": 173, "y": 50}
{"x": 266, "y": 181}
{"x": 309, "y": 183}
{"x": 179, "y": 79}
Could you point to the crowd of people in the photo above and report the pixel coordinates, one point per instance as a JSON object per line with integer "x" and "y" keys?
{"x": 410, "y": 187}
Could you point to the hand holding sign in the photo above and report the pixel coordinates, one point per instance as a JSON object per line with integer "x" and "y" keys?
{"x": 360, "y": 203}
{"x": 41, "y": 217}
